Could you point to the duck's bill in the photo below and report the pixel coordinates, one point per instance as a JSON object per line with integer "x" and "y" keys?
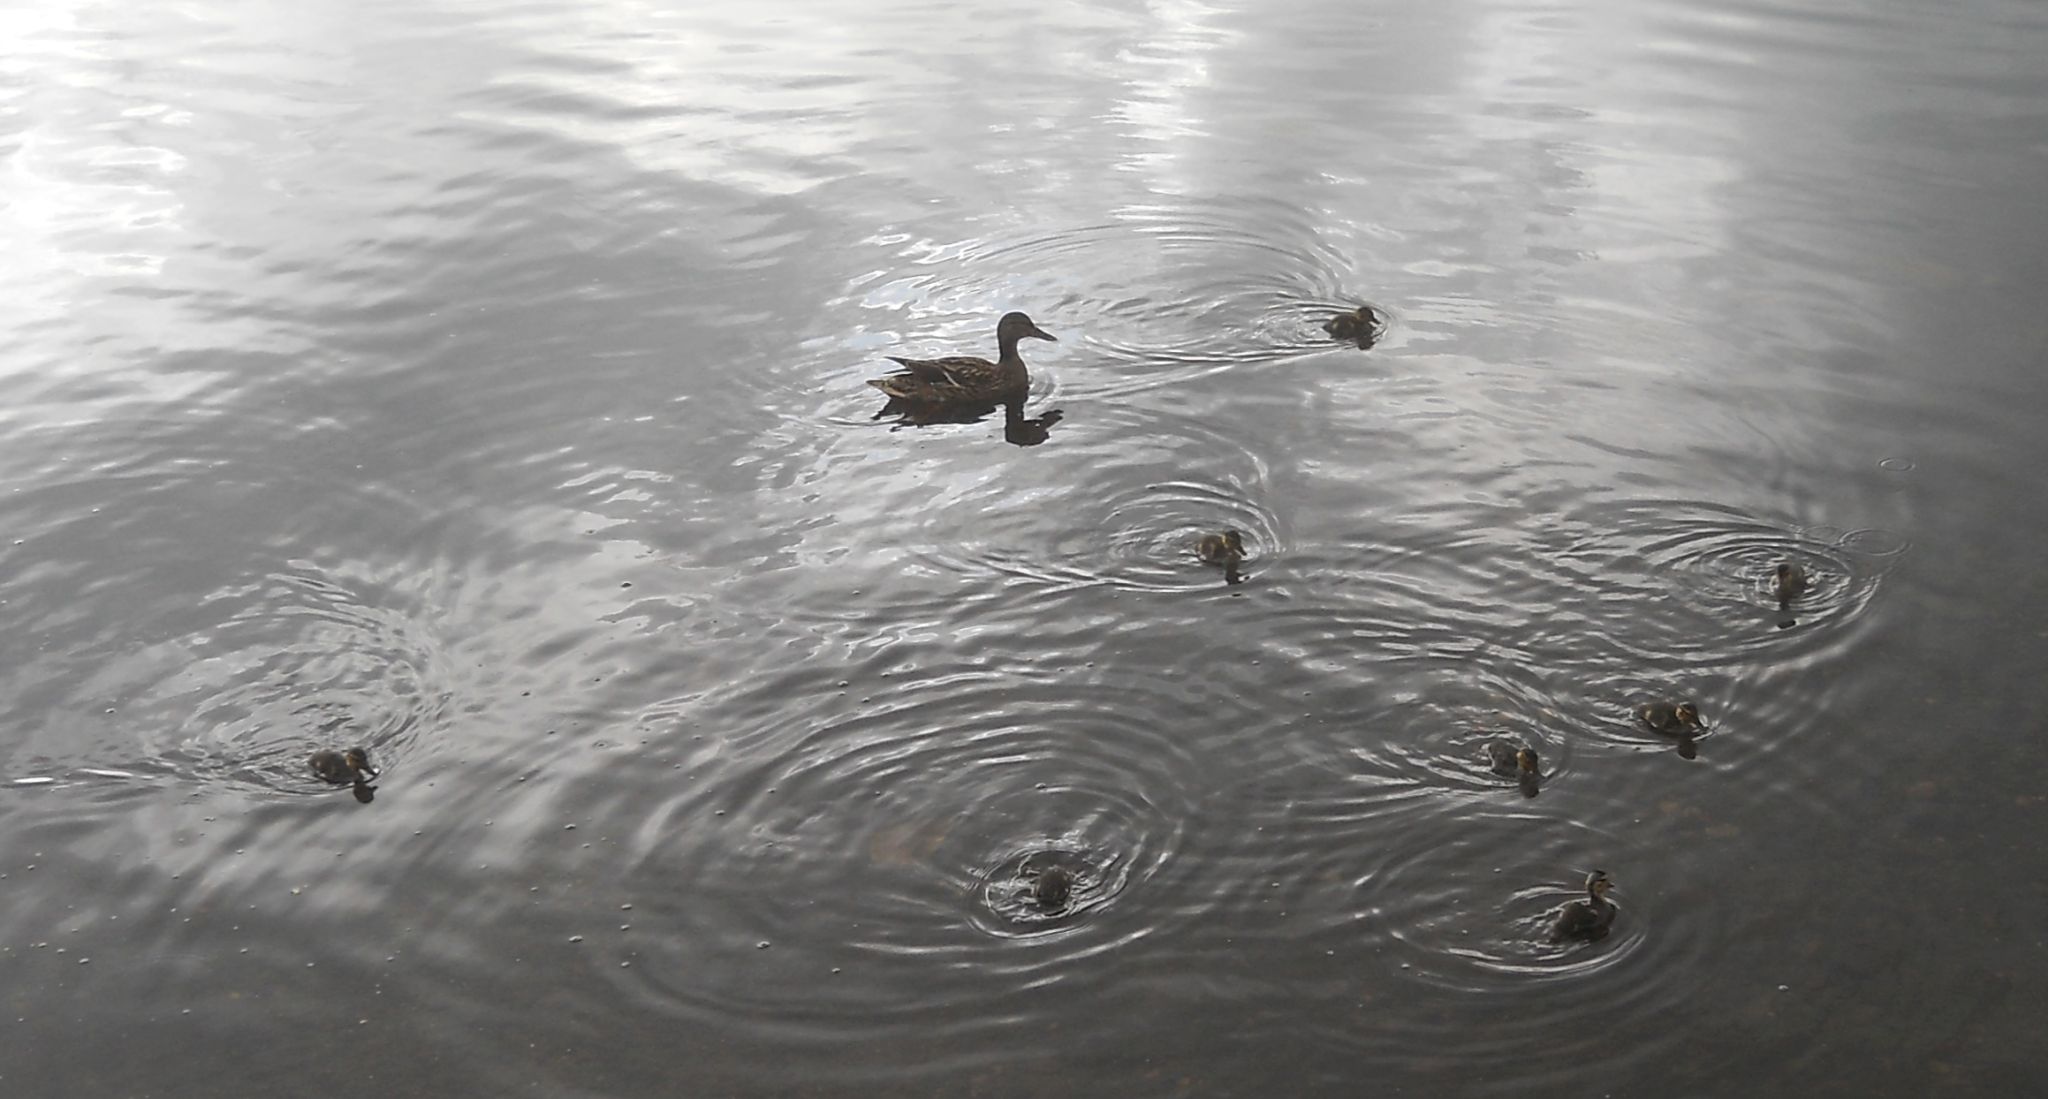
{"x": 1042, "y": 334}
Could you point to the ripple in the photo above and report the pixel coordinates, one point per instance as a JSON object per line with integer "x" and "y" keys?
{"x": 1226, "y": 288}
{"x": 1465, "y": 912}
{"x": 1477, "y": 931}
{"x": 299, "y": 660}
{"x": 1129, "y": 520}
{"x": 1688, "y": 585}
{"x": 1006, "y": 893}
{"x": 887, "y": 844}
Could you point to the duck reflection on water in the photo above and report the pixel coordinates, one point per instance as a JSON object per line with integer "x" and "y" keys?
{"x": 1018, "y": 429}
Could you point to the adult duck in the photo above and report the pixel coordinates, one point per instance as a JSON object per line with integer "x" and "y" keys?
{"x": 964, "y": 379}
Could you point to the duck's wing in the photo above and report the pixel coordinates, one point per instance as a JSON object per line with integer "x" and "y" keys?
{"x": 964, "y": 371}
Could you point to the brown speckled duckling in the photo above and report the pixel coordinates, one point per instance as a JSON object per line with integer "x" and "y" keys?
{"x": 1051, "y": 888}
{"x": 1680, "y": 719}
{"x": 1588, "y": 919}
{"x": 1226, "y": 548}
{"x": 1788, "y": 583}
{"x": 1360, "y": 326}
{"x": 1518, "y": 762}
{"x": 343, "y": 767}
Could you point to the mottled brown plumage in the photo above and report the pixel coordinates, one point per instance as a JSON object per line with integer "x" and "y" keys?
{"x": 1360, "y": 326}
{"x": 963, "y": 379}
{"x": 1590, "y": 918}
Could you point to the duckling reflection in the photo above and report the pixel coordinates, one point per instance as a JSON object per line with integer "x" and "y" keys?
{"x": 1360, "y": 326}
{"x": 1518, "y": 762}
{"x": 1588, "y": 920}
{"x": 1678, "y": 720}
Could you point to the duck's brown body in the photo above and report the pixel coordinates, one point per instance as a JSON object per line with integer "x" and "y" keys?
{"x": 964, "y": 379}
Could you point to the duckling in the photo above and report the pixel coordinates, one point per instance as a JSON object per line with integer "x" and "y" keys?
{"x": 1789, "y": 583}
{"x": 1051, "y": 888}
{"x": 1360, "y": 326}
{"x": 1517, "y": 762}
{"x": 1225, "y": 549}
{"x": 339, "y": 768}
{"x": 1588, "y": 919}
{"x": 1679, "y": 719}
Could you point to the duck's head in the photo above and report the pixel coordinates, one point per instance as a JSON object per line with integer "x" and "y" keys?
{"x": 1785, "y": 571}
{"x": 1016, "y": 326}
{"x": 358, "y": 759}
{"x": 1526, "y": 762}
{"x": 1234, "y": 538}
{"x": 1597, "y": 885}
{"x": 1687, "y": 714}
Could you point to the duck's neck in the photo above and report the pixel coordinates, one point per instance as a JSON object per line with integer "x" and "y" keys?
{"x": 1006, "y": 347}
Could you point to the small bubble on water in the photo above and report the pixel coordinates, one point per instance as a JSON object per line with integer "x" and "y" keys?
{"x": 575, "y": 938}
{"x": 762, "y": 945}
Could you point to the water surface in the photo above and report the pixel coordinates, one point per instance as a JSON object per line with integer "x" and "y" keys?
{"x": 483, "y": 384}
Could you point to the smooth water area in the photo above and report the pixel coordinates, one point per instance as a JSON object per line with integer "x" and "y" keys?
{"x": 482, "y": 383}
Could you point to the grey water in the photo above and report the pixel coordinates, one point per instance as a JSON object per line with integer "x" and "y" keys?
{"x": 482, "y": 383}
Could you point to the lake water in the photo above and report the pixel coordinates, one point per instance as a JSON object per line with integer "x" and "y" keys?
{"x": 482, "y": 383}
